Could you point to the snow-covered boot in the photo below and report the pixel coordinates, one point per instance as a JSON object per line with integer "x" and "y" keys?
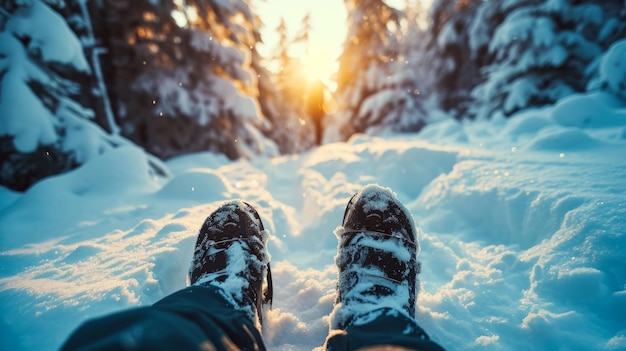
{"x": 376, "y": 258}
{"x": 231, "y": 254}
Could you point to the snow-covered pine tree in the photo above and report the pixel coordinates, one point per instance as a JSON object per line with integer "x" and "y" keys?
{"x": 607, "y": 72}
{"x": 93, "y": 87}
{"x": 44, "y": 130}
{"x": 182, "y": 78}
{"x": 374, "y": 93}
{"x": 271, "y": 104}
{"x": 282, "y": 122}
{"x": 240, "y": 26}
{"x": 285, "y": 93}
{"x": 612, "y": 70}
{"x": 449, "y": 65}
{"x": 542, "y": 50}
{"x": 290, "y": 76}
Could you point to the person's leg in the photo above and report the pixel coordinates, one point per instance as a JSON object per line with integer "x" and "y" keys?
{"x": 220, "y": 311}
{"x": 378, "y": 268}
{"x": 195, "y": 318}
{"x": 387, "y": 330}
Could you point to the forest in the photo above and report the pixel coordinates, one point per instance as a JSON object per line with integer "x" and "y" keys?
{"x": 500, "y": 125}
{"x": 79, "y": 78}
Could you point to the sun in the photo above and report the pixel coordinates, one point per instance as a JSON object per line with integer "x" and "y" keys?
{"x": 318, "y": 64}
{"x": 328, "y": 28}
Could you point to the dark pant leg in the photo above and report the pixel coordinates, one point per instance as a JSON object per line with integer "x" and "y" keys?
{"x": 195, "y": 318}
{"x": 388, "y": 329}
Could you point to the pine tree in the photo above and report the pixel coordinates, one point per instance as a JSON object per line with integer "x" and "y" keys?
{"x": 182, "y": 77}
{"x": 542, "y": 50}
{"x": 451, "y": 58}
{"x": 285, "y": 92}
{"x": 283, "y": 125}
{"x": 44, "y": 129}
{"x": 290, "y": 75}
{"x": 374, "y": 91}
{"x": 310, "y": 103}
{"x": 612, "y": 71}
{"x": 93, "y": 89}
{"x": 302, "y": 37}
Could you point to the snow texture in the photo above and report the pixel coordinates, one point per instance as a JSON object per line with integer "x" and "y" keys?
{"x": 523, "y": 242}
{"x": 613, "y": 68}
{"x": 49, "y": 35}
{"x": 24, "y": 114}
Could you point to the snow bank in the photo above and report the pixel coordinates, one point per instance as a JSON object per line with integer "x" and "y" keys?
{"x": 523, "y": 226}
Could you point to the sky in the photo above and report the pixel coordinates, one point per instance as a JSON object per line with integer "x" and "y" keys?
{"x": 328, "y": 18}
{"x": 328, "y": 21}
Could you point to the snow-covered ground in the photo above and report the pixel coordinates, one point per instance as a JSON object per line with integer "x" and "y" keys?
{"x": 523, "y": 232}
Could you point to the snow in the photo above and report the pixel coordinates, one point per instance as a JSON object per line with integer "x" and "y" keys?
{"x": 613, "y": 69}
{"x": 522, "y": 247}
{"x": 49, "y": 35}
{"x": 24, "y": 115}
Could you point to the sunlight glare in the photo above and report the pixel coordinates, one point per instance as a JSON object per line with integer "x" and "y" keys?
{"x": 328, "y": 21}
{"x": 319, "y": 64}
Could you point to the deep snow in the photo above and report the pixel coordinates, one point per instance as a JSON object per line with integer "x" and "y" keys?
{"x": 523, "y": 226}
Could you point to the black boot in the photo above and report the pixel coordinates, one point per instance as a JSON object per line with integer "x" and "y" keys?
{"x": 376, "y": 258}
{"x": 231, "y": 254}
